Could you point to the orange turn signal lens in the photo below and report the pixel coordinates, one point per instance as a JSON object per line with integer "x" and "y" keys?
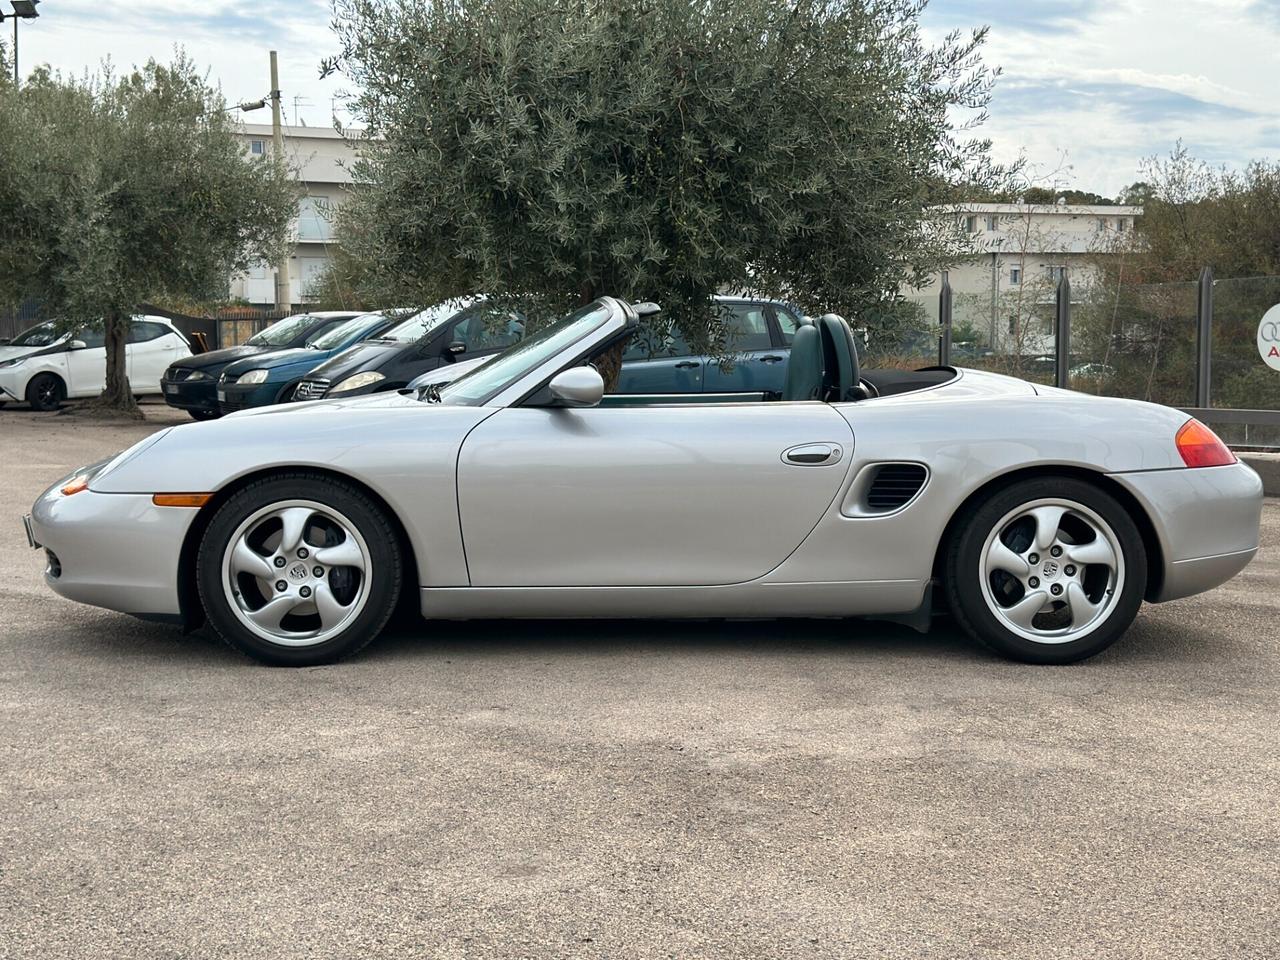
{"x": 181, "y": 499}
{"x": 1200, "y": 446}
{"x": 75, "y": 485}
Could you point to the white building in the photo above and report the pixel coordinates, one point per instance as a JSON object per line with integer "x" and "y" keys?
{"x": 322, "y": 158}
{"x": 1006, "y": 289}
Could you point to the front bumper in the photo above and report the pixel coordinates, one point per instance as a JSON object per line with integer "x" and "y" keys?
{"x": 191, "y": 395}
{"x": 233, "y": 397}
{"x": 113, "y": 550}
{"x": 1206, "y": 521}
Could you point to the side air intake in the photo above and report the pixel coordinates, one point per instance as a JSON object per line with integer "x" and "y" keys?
{"x": 894, "y": 486}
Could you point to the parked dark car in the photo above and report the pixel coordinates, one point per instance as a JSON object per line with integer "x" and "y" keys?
{"x": 190, "y": 384}
{"x": 268, "y": 378}
{"x": 463, "y": 328}
{"x": 760, "y": 333}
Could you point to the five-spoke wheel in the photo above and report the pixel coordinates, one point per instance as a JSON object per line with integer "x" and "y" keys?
{"x": 299, "y": 570}
{"x": 1049, "y": 570}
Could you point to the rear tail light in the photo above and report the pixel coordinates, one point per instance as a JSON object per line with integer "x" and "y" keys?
{"x": 1200, "y": 446}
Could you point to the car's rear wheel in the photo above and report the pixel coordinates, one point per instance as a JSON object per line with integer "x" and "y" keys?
{"x": 198, "y": 414}
{"x": 299, "y": 569}
{"x": 45, "y": 392}
{"x": 1050, "y": 570}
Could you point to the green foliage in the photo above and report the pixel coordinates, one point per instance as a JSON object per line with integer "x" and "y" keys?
{"x": 658, "y": 149}
{"x": 119, "y": 190}
{"x": 1045, "y": 195}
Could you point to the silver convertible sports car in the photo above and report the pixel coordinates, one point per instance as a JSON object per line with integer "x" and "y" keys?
{"x": 1041, "y": 517}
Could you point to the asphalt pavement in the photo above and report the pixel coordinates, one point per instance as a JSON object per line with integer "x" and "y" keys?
{"x": 606, "y": 789}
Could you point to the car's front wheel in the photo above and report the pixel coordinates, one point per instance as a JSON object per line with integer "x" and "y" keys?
{"x": 299, "y": 569}
{"x": 45, "y": 392}
{"x": 1050, "y": 570}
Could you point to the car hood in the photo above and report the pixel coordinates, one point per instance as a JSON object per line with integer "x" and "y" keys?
{"x": 270, "y": 359}
{"x": 12, "y": 353}
{"x": 344, "y": 435}
{"x": 361, "y": 356}
{"x": 219, "y": 358}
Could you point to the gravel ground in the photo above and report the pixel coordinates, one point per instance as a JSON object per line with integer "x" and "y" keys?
{"x": 767, "y": 789}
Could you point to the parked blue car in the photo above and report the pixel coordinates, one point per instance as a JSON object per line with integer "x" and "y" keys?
{"x": 268, "y": 378}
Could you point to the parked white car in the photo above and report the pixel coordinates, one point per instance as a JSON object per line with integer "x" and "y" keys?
{"x": 44, "y": 367}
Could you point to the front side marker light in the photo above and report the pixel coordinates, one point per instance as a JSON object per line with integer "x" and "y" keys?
{"x": 181, "y": 499}
{"x": 76, "y": 484}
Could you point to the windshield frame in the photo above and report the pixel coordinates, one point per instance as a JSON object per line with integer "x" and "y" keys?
{"x": 524, "y": 380}
{"x": 253, "y": 341}
{"x": 52, "y": 325}
{"x": 354, "y": 324}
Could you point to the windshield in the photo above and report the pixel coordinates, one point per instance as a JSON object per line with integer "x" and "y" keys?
{"x": 336, "y": 337}
{"x": 482, "y": 384}
{"x": 40, "y": 335}
{"x": 425, "y": 321}
{"x": 283, "y": 332}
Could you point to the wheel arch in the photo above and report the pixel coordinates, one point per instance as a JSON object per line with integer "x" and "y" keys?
{"x": 189, "y": 606}
{"x": 1150, "y": 540}
{"x": 46, "y": 372}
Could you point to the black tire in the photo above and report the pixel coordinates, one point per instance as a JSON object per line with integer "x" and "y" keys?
{"x": 45, "y": 392}
{"x": 202, "y": 415}
{"x": 383, "y": 578}
{"x": 963, "y": 571}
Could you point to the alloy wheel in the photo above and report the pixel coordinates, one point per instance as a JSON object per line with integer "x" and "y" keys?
{"x": 296, "y": 573}
{"x": 1052, "y": 570}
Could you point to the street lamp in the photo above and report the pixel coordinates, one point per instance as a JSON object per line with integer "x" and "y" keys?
{"x": 22, "y": 10}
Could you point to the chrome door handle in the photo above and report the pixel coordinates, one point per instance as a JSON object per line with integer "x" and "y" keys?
{"x": 771, "y": 358}
{"x": 813, "y": 454}
{"x": 687, "y": 364}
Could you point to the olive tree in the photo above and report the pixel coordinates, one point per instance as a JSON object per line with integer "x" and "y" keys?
{"x": 658, "y": 149}
{"x": 115, "y": 190}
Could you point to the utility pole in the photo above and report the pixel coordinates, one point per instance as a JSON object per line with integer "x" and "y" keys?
{"x": 22, "y": 10}
{"x": 284, "y": 297}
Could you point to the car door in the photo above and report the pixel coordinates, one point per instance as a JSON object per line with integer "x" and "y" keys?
{"x": 86, "y": 365}
{"x": 151, "y": 347}
{"x": 482, "y": 330}
{"x": 659, "y": 361}
{"x": 645, "y": 495}
{"x": 754, "y": 363}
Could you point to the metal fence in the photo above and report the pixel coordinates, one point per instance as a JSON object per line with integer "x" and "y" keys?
{"x": 226, "y": 328}
{"x": 1188, "y": 345}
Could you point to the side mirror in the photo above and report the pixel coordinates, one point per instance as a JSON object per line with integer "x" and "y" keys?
{"x": 577, "y": 387}
{"x": 76, "y": 345}
{"x": 456, "y": 348}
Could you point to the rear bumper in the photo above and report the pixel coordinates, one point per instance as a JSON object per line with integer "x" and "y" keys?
{"x": 1206, "y": 521}
{"x": 112, "y": 550}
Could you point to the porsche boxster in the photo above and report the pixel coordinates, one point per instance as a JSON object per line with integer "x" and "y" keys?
{"x": 1041, "y": 518}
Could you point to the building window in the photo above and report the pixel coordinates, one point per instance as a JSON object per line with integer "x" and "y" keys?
{"x": 1057, "y": 273}
{"x": 1121, "y": 225}
{"x": 971, "y": 224}
{"x": 992, "y": 224}
{"x": 1015, "y": 275}
{"x": 257, "y": 147}
{"x": 1102, "y": 224}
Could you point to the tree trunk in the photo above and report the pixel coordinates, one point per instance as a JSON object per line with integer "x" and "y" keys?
{"x": 116, "y": 395}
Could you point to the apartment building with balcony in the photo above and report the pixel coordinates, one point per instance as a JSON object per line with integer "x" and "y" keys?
{"x": 1005, "y": 290}
{"x": 322, "y": 158}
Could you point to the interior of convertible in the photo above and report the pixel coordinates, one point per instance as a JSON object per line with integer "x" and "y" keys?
{"x": 823, "y": 366}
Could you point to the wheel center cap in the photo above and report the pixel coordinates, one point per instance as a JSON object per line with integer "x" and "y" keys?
{"x": 298, "y": 571}
{"x": 1050, "y": 569}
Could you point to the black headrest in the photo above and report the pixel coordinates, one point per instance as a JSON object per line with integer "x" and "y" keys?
{"x": 842, "y": 380}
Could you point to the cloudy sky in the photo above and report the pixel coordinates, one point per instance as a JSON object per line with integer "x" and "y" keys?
{"x": 1103, "y": 83}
